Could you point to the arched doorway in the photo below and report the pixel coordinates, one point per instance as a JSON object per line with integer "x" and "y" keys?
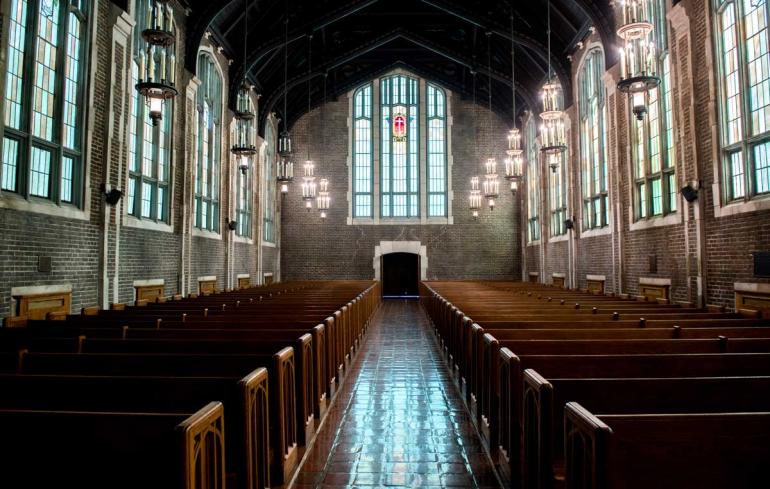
{"x": 400, "y": 274}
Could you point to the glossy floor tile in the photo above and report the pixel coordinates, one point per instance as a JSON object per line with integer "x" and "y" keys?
{"x": 398, "y": 420}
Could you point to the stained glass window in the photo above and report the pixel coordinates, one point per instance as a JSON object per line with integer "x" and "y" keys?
{"x": 592, "y": 141}
{"x": 363, "y": 163}
{"x": 149, "y": 157}
{"x": 399, "y": 160}
{"x": 557, "y": 196}
{"x": 209, "y": 144}
{"x": 533, "y": 182}
{"x": 744, "y": 58}
{"x": 653, "y": 151}
{"x": 268, "y": 209}
{"x": 42, "y": 143}
{"x": 437, "y": 164}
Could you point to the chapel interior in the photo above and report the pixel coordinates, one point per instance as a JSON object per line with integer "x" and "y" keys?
{"x": 251, "y": 244}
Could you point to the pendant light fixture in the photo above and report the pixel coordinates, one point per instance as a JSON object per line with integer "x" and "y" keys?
{"x": 285, "y": 171}
{"x": 157, "y": 62}
{"x": 474, "y": 199}
{"x": 514, "y": 164}
{"x": 491, "y": 181}
{"x": 552, "y": 133}
{"x": 308, "y": 177}
{"x": 244, "y": 148}
{"x": 638, "y": 57}
{"x": 323, "y": 201}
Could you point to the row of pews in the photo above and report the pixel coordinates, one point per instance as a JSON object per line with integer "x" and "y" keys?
{"x": 205, "y": 392}
{"x": 571, "y": 389}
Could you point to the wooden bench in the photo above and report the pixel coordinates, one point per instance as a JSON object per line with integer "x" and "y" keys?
{"x": 544, "y": 401}
{"x": 511, "y": 380}
{"x": 281, "y": 368}
{"x": 703, "y": 450}
{"x": 245, "y": 401}
{"x": 113, "y": 449}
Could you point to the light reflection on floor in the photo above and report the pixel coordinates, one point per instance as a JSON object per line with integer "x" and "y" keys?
{"x": 398, "y": 421}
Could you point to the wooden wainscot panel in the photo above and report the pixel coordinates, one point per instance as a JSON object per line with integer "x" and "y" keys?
{"x": 558, "y": 281}
{"x": 595, "y": 286}
{"x": 268, "y": 279}
{"x": 754, "y": 301}
{"x": 37, "y": 306}
{"x": 534, "y": 277}
{"x": 148, "y": 293}
{"x": 206, "y": 287}
{"x": 655, "y": 293}
{"x": 244, "y": 282}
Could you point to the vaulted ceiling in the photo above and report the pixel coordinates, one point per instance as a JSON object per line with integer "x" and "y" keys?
{"x": 352, "y": 41}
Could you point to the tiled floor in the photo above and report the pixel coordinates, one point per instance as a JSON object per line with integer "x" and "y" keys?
{"x": 398, "y": 420}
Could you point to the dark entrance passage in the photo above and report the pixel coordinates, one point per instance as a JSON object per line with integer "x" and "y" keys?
{"x": 400, "y": 273}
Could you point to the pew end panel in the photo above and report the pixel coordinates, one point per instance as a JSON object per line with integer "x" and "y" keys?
{"x": 202, "y": 438}
{"x": 255, "y": 403}
{"x": 537, "y": 469}
{"x": 586, "y": 438}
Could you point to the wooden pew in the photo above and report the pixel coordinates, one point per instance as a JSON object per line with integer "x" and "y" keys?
{"x": 281, "y": 368}
{"x": 245, "y": 401}
{"x": 81, "y": 449}
{"x": 703, "y": 450}
{"x": 511, "y": 381}
{"x": 544, "y": 401}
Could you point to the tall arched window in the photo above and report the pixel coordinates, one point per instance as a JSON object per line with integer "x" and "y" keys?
{"x": 654, "y": 157}
{"x": 149, "y": 158}
{"x": 744, "y": 57}
{"x": 437, "y": 161}
{"x": 44, "y": 85}
{"x": 363, "y": 175}
{"x": 268, "y": 207}
{"x": 209, "y": 144}
{"x": 533, "y": 182}
{"x": 399, "y": 161}
{"x": 592, "y": 143}
{"x": 557, "y": 196}
{"x": 413, "y": 157}
{"x": 244, "y": 197}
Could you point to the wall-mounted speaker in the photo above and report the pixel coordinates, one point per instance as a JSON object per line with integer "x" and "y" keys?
{"x": 689, "y": 193}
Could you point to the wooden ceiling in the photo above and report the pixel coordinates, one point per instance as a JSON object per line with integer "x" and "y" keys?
{"x": 355, "y": 40}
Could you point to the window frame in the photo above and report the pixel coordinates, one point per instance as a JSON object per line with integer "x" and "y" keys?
{"x": 533, "y": 182}
{"x": 557, "y": 198}
{"x": 160, "y": 146}
{"x": 269, "y": 204}
{"x": 643, "y": 206}
{"x": 414, "y": 146}
{"x": 354, "y": 154}
{"x": 748, "y": 143}
{"x": 213, "y": 198}
{"x": 593, "y": 154}
{"x": 24, "y": 138}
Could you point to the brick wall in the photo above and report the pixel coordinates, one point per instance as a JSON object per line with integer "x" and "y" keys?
{"x": 487, "y": 248}
{"x": 103, "y": 265}
{"x": 698, "y": 247}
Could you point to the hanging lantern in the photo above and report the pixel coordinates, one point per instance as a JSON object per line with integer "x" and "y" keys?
{"x": 285, "y": 171}
{"x": 323, "y": 201}
{"x": 638, "y": 56}
{"x": 475, "y": 197}
{"x": 553, "y": 135}
{"x": 514, "y": 164}
{"x": 309, "y": 184}
{"x": 243, "y": 148}
{"x": 157, "y": 63}
{"x": 491, "y": 183}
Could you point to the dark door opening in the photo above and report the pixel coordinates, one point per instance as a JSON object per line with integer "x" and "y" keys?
{"x": 400, "y": 274}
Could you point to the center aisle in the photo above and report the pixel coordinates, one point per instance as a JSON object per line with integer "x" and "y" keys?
{"x": 398, "y": 420}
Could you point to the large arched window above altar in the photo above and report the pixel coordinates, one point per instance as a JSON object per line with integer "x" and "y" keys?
{"x": 399, "y": 152}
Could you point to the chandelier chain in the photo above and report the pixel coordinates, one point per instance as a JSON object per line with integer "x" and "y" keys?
{"x": 286, "y": 67}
